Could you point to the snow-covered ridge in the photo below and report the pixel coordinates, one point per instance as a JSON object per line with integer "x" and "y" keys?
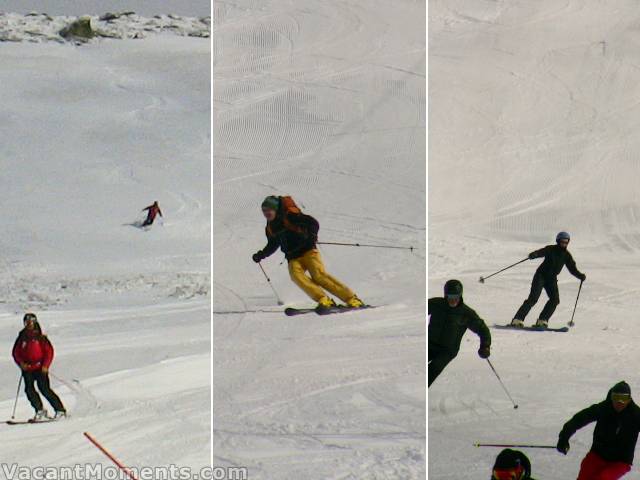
{"x": 40, "y": 27}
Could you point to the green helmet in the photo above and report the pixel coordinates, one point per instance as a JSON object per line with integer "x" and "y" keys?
{"x": 453, "y": 287}
{"x": 271, "y": 202}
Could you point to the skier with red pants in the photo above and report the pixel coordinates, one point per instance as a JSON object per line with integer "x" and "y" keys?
{"x": 152, "y": 211}
{"x": 614, "y": 438}
{"x": 33, "y": 353}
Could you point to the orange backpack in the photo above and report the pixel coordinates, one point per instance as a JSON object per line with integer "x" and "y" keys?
{"x": 287, "y": 206}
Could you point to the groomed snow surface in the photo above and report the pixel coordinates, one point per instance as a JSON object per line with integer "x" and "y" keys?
{"x": 533, "y": 129}
{"x": 324, "y": 101}
{"x": 90, "y": 135}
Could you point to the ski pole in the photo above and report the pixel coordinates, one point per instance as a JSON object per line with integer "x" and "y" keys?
{"x": 15, "y": 404}
{"x": 109, "y": 456}
{"x": 280, "y": 302}
{"x": 571, "y": 323}
{"x": 364, "y": 245}
{"x": 482, "y": 279}
{"x": 500, "y": 380}
{"x": 512, "y": 446}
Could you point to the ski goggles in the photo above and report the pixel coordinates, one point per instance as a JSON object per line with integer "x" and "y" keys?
{"x": 29, "y": 317}
{"x": 515, "y": 473}
{"x": 453, "y": 296}
{"x": 621, "y": 397}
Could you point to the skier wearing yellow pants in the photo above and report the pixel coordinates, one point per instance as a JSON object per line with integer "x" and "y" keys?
{"x": 296, "y": 235}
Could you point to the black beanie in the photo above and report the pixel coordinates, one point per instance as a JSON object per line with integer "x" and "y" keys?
{"x": 621, "y": 387}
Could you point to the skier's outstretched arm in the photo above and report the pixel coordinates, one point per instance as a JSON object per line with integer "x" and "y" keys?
{"x": 573, "y": 269}
{"x": 271, "y": 246}
{"x": 579, "y": 420}
{"x": 538, "y": 253}
{"x": 479, "y": 327}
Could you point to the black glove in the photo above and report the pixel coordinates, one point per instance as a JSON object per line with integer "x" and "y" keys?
{"x": 484, "y": 351}
{"x": 582, "y": 277}
{"x": 563, "y": 446}
{"x": 257, "y": 256}
{"x": 532, "y": 256}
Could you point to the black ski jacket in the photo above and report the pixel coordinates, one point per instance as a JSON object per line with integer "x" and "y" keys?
{"x": 447, "y": 325}
{"x": 615, "y": 435}
{"x": 555, "y": 257}
{"x": 295, "y": 236}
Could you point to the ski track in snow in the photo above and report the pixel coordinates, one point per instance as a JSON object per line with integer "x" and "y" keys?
{"x": 324, "y": 101}
{"x": 533, "y": 116}
{"x": 91, "y": 135}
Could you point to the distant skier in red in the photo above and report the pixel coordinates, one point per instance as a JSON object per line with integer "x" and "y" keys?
{"x": 153, "y": 210}
{"x": 33, "y": 353}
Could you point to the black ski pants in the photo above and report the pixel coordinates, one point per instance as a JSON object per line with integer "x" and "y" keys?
{"x": 539, "y": 282}
{"x": 439, "y": 358}
{"x": 42, "y": 379}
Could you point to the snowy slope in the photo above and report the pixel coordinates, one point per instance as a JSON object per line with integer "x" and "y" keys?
{"x": 322, "y": 100}
{"x": 533, "y": 130}
{"x": 90, "y": 135}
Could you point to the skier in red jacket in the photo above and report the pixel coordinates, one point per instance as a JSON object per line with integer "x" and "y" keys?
{"x": 153, "y": 210}
{"x": 33, "y": 353}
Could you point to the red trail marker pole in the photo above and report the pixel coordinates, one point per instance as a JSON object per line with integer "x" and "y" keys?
{"x": 111, "y": 457}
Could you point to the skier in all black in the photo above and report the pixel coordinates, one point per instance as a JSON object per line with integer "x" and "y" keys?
{"x": 152, "y": 211}
{"x": 449, "y": 318}
{"x": 546, "y": 277}
{"x": 614, "y": 438}
{"x": 511, "y": 465}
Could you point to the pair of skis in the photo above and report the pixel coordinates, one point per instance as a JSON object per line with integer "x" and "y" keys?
{"x": 32, "y": 421}
{"x": 290, "y": 312}
{"x": 46, "y": 419}
{"x": 532, "y": 328}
